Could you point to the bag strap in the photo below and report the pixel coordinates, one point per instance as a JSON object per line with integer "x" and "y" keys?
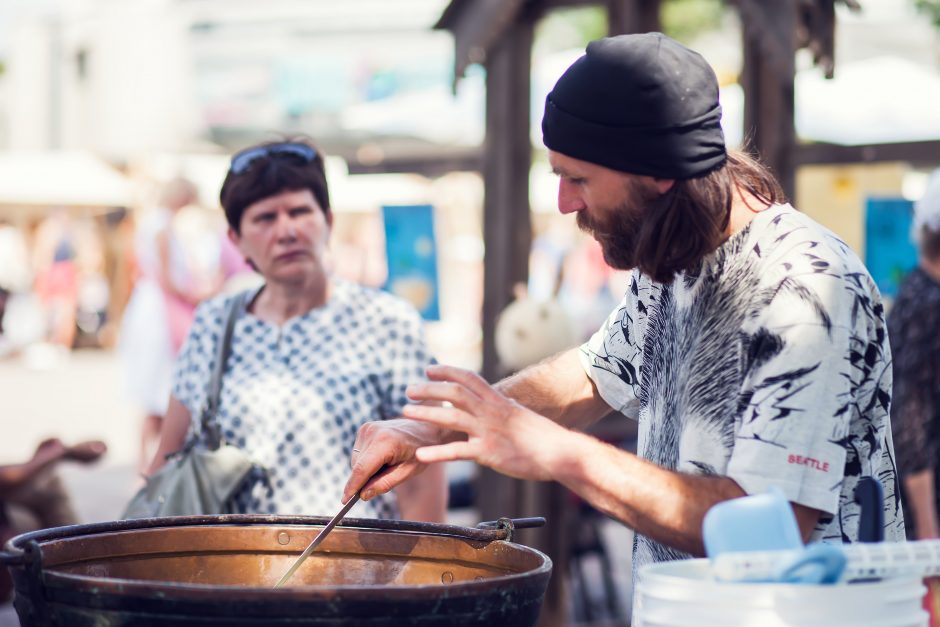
{"x": 210, "y": 428}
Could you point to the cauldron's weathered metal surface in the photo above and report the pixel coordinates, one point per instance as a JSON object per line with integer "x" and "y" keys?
{"x": 220, "y": 569}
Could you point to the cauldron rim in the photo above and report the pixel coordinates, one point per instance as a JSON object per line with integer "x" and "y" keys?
{"x": 138, "y": 587}
{"x": 21, "y": 545}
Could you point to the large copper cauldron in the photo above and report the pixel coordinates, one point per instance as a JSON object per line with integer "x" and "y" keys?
{"x": 221, "y": 569}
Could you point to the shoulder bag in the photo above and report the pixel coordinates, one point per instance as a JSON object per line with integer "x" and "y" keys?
{"x": 202, "y": 477}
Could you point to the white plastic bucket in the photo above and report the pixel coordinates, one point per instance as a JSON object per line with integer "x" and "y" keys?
{"x": 684, "y": 594}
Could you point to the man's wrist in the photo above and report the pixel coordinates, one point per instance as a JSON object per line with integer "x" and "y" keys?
{"x": 560, "y": 453}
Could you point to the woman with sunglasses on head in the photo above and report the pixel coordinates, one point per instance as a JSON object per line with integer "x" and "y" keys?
{"x": 312, "y": 357}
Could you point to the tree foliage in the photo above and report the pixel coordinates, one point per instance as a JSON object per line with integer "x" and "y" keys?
{"x": 686, "y": 19}
{"x": 930, "y": 8}
{"x": 574, "y": 27}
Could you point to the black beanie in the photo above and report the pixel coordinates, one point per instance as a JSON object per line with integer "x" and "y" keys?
{"x": 643, "y": 104}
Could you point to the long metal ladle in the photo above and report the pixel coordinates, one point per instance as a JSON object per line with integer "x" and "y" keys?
{"x": 316, "y": 541}
{"x": 325, "y": 532}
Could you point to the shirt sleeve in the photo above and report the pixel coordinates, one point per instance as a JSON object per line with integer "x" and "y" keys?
{"x": 611, "y": 358}
{"x": 196, "y": 359}
{"x": 817, "y": 384}
{"x": 408, "y": 358}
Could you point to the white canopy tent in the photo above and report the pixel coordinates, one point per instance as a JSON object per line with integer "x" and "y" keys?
{"x": 879, "y": 100}
{"x": 31, "y": 181}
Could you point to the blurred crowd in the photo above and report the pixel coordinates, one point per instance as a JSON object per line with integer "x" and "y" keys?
{"x": 67, "y": 276}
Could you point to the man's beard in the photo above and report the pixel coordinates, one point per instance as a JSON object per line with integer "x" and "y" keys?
{"x": 617, "y": 230}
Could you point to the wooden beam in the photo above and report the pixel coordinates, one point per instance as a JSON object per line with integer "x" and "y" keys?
{"x": 549, "y": 5}
{"x": 470, "y": 160}
{"x": 478, "y": 26}
{"x": 925, "y": 153}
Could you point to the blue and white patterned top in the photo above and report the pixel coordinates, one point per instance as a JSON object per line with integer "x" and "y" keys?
{"x": 295, "y": 395}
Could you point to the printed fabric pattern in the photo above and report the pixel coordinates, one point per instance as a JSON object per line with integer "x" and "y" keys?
{"x": 915, "y": 342}
{"x": 295, "y": 395}
{"x": 769, "y": 363}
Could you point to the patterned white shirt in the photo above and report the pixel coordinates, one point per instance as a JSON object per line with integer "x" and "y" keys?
{"x": 295, "y": 395}
{"x": 768, "y": 364}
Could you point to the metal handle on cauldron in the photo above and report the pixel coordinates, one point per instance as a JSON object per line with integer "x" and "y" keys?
{"x": 8, "y": 558}
{"x": 511, "y": 524}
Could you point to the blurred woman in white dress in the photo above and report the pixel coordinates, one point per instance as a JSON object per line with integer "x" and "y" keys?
{"x": 160, "y": 310}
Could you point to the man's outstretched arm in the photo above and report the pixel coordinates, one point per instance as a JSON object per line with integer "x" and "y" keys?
{"x": 665, "y": 505}
{"x": 557, "y": 388}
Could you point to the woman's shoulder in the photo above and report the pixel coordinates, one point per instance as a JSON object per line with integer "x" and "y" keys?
{"x": 211, "y": 311}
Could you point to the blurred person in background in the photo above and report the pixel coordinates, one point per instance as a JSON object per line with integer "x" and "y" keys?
{"x": 313, "y": 357}
{"x": 57, "y": 276}
{"x": 913, "y": 325}
{"x": 32, "y": 495}
{"x": 160, "y": 310}
{"x": 14, "y": 276}
{"x": 6, "y": 346}
{"x": 14, "y": 258}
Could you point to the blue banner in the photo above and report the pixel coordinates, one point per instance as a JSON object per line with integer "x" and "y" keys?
{"x": 889, "y": 252}
{"x": 411, "y": 253}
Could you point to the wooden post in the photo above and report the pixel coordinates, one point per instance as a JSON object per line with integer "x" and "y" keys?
{"x": 508, "y": 235}
{"x": 506, "y": 224}
{"x": 507, "y": 158}
{"x": 767, "y": 81}
{"x": 633, "y": 16}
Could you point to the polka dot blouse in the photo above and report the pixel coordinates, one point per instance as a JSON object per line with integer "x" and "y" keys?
{"x": 295, "y": 395}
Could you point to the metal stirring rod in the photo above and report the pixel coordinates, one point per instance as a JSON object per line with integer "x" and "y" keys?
{"x": 316, "y": 541}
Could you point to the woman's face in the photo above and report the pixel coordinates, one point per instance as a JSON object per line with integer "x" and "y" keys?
{"x": 285, "y": 236}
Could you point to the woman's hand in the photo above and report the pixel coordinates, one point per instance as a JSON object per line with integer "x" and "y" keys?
{"x": 172, "y": 434}
{"x": 501, "y": 433}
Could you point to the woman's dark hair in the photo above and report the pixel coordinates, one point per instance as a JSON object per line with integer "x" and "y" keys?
{"x": 273, "y": 168}
{"x": 690, "y": 220}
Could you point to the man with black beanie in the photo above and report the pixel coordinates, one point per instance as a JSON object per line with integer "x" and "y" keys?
{"x": 750, "y": 344}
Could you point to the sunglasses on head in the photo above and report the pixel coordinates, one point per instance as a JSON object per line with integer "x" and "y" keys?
{"x": 246, "y": 158}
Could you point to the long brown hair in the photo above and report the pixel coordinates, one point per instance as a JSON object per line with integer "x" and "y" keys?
{"x": 689, "y": 221}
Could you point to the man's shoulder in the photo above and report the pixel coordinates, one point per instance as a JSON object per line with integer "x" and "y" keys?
{"x": 797, "y": 243}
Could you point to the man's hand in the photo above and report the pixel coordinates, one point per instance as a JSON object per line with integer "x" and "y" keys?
{"x": 501, "y": 433}
{"x": 389, "y": 443}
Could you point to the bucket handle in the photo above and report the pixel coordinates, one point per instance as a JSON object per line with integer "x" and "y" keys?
{"x": 820, "y": 563}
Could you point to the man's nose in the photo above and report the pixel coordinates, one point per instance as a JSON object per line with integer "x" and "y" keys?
{"x": 569, "y": 198}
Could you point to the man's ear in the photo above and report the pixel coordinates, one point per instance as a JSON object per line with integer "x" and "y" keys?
{"x": 663, "y": 185}
{"x": 233, "y": 236}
